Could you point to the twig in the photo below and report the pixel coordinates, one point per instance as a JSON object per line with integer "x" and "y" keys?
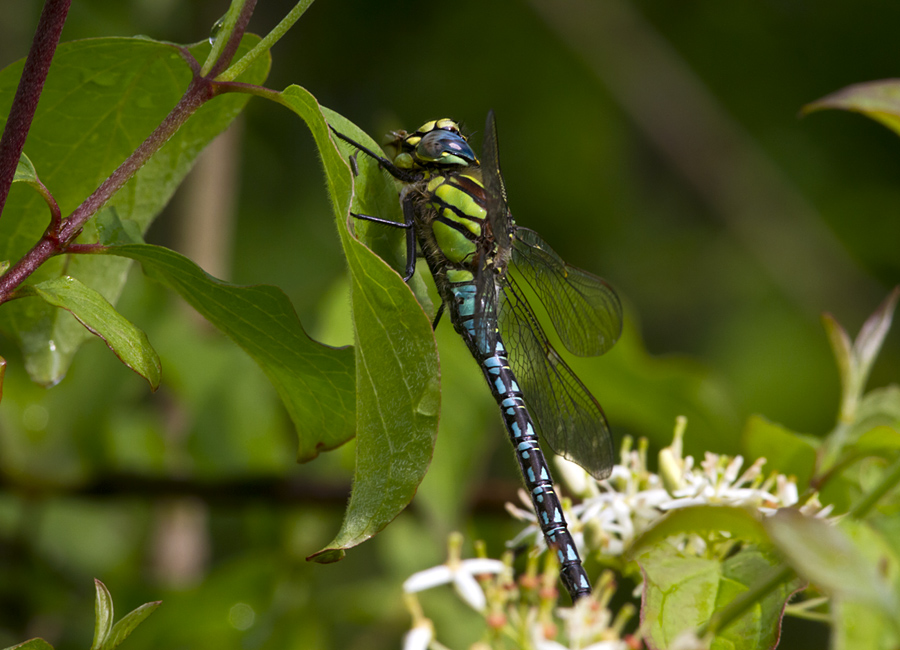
{"x": 43, "y": 47}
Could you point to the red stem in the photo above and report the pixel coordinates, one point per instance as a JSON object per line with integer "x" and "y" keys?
{"x": 59, "y": 237}
{"x": 199, "y": 91}
{"x": 43, "y": 47}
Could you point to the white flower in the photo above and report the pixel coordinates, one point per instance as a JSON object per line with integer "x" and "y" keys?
{"x": 462, "y": 574}
{"x": 589, "y": 624}
{"x": 540, "y": 642}
{"x": 617, "y": 510}
{"x": 419, "y": 637}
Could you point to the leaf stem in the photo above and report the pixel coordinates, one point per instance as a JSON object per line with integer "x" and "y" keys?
{"x": 43, "y": 47}
{"x": 234, "y": 40}
{"x": 55, "y": 213}
{"x": 266, "y": 44}
{"x": 86, "y": 249}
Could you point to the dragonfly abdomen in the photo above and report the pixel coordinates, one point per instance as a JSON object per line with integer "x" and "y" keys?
{"x": 535, "y": 470}
{"x": 522, "y": 434}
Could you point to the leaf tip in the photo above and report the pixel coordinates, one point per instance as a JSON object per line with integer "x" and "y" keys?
{"x": 327, "y": 556}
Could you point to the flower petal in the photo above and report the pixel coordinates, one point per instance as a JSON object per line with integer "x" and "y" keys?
{"x": 480, "y": 565}
{"x": 469, "y": 590}
{"x": 439, "y": 575}
{"x": 418, "y": 638}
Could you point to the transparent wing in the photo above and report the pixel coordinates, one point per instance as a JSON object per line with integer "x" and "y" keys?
{"x": 496, "y": 241}
{"x": 498, "y": 215}
{"x": 570, "y": 418}
{"x": 486, "y": 301}
{"x": 583, "y": 308}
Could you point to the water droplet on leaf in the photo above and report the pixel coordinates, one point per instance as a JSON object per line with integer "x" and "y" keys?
{"x": 430, "y": 402}
{"x": 216, "y": 28}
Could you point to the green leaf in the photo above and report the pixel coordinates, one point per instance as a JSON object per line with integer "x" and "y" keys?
{"x": 876, "y": 414}
{"x": 102, "y": 98}
{"x": 881, "y": 441}
{"x": 856, "y": 624}
{"x": 101, "y": 319}
{"x": 103, "y": 615}
{"x": 106, "y": 635}
{"x": 879, "y": 407}
{"x": 740, "y": 523}
{"x": 314, "y": 381}
{"x": 855, "y": 361}
{"x": 831, "y": 559}
{"x": 25, "y": 171}
{"x": 376, "y": 193}
{"x": 31, "y": 644}
{"x": 398, "y": 395}
{"x": 129, "y": 622}
{"x": 784, "y": 450}
{"x": 113, "y": 230}
{"x": 879, "y": 100}
{"x": 681, "y": 593}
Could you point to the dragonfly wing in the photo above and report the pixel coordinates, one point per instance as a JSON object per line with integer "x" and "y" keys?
{"x": 496, "y": 242}
{"x": 498, "y": 214}
{"x": 583, "y": 308}
{"x": 486, "y": 301}
{"x": 570, "y": 418}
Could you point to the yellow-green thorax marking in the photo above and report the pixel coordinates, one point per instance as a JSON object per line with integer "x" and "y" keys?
{"x": 449, "y": 199}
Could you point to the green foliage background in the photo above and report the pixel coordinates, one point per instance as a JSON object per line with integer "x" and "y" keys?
{"x": 726, "y": 240}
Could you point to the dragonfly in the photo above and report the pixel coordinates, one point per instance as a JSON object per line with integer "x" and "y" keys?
{"x": 455, "y": 209}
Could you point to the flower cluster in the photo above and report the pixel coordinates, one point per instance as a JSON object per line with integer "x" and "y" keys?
{"x": 523, "y": 613}
{"x": 609, "y": 517}
{"x": 613, "y": 512}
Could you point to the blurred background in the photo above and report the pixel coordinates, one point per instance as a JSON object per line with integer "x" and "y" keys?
{"x": 657, "y": 144}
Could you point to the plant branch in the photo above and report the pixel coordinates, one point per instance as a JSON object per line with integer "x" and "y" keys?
{"x": 489, "y": 496}
{"x": 199, "y": 91}
{"x": 270, "y": 490}
{"x": 60, "y": 235}
{"x": 21, "y": 114}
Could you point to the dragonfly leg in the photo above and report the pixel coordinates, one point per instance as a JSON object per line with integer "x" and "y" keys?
{"x": 437, "y": 316}
{"x": 410, "y": 237}
{"x": 409, "y": 220}
{"x": 384, "y": 222}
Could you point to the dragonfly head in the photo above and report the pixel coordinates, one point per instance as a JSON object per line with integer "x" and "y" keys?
{"x": 435, "y": 144}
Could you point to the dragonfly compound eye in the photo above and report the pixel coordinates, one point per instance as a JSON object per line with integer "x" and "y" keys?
{"x": 445, "y": 148}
